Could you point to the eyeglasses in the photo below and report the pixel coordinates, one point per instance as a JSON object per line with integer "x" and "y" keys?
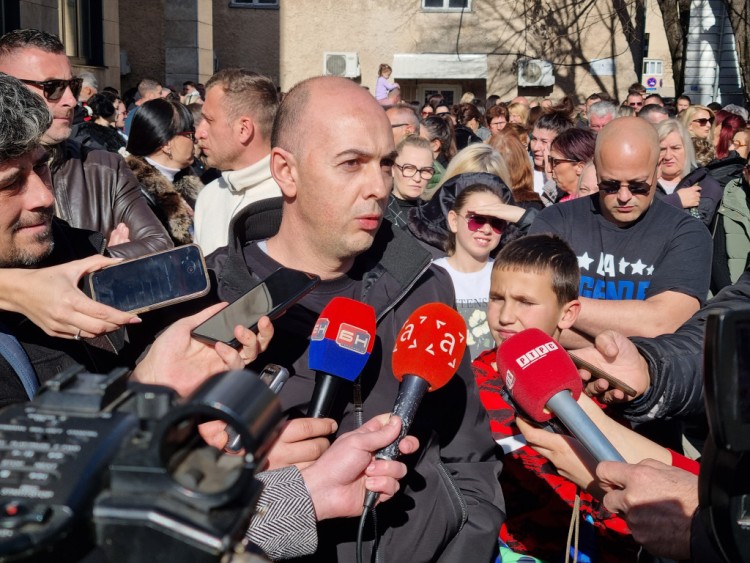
{"x": 739, "y": 144}
{"x": 443, "y": 113}
{"x": 553, "y": 162}
{"x": 703, "y": 121}
{"x": 476, "y": 222}
{"x": 409, "y": 170}
{"x": 611, "y": 187}
{"x": 635, "y": 104}
{"x": 189, "y": 134}
{"x": 427, "y": 113}
{"x": 53, "y": 90}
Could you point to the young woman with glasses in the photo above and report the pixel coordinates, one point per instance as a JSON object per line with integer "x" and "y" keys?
{"x": 412, "y": 170}
{"x": 160, "y": 144}
{"x": 475, "y": 229}
{"x": 569, "y": 153}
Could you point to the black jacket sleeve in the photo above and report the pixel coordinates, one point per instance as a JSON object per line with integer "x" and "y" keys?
{"x": 676, "y": 361}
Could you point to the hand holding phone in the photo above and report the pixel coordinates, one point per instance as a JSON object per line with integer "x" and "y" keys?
{"x": 597, "y": 373}
{"x": 152, "y": 281}
{"x": 271, "y": 297}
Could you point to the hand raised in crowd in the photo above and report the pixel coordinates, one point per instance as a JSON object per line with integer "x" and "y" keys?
{"x": 690, "y": 197}
{"x": 50, "y": 298}
{"x": 656, "y": 500}
{"x": 178, "y": 360}
{"x": 340, "y": 478}
{"x": 618, "y": 356}
{"x": 120, "y": 235}
{"x": 302, "y": 441}
{"x": 508, "y": 213}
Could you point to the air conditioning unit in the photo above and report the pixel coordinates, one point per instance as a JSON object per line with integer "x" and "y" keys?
{"x": 341, "y": 64}
{"x": 535, "y": 72}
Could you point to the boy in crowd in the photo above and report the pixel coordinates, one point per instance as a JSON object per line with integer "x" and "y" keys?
{"x": 535, "y": 285}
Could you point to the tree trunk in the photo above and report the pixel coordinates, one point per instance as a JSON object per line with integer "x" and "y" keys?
{"x": 676, "y": 15}
{"x": 738, "y": 12}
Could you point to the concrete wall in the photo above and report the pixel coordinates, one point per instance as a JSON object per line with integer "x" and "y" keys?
{"x": 142, "y": 38}
{"x": 563, "y": 32}
{"x": 247, "y": 37}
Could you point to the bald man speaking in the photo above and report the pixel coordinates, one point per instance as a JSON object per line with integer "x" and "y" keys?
{"x": 645, "y": 266}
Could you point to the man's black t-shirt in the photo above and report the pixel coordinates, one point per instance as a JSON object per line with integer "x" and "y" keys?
{"x": 664, "y": 250}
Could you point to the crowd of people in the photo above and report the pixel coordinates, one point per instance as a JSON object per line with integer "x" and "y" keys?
{"x": 607, "y": 226}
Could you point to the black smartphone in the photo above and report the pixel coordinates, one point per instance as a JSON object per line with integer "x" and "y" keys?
{"x": 151, "y": 281}
{"x": 271, "y": 297}
{"x": 597, "y": 373}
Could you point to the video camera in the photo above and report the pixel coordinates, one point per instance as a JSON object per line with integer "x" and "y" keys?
{"x": 96, "y": 468}
{"x": 724, "y": 481}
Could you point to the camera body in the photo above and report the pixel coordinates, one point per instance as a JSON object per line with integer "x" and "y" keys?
{"x": 98, "y": 467}
{"x": 724, "y": 486}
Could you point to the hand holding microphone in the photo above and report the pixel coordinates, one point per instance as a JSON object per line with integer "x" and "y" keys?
{"x": 427, "y": 353}
{"x": 539, "y": 375}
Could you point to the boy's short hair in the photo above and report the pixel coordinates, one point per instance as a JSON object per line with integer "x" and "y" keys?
{"x": 542, "y": 253}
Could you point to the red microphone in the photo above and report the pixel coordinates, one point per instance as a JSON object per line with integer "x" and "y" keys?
{"x": 540, "y": 375}
{"x": 428, "y": 351}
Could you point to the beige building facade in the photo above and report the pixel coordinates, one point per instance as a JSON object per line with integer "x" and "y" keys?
{"x": 90, "y": 31}
{"x": 433, "y": 47}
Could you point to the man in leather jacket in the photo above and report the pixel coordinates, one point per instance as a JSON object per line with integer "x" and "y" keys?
{"x": 94, "y": 190}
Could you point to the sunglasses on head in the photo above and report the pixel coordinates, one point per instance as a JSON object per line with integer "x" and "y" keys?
{"x": 476, "y": 222}
{"x": 611, "y": 187}
{"x": 703, "y": 121}
{"x": 53, "y": 90}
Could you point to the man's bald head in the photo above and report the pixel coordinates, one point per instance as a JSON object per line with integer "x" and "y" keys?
{"x": 627, "y": 135}
{"x": 307, "y": 97}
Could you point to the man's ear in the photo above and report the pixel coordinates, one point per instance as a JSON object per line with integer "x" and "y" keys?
{"x": 246, "y": 129}
{"x": 284, "y": 171}
{"x": 570, "y": 312}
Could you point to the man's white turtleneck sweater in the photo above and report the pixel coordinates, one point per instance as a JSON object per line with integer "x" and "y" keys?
{"x": 223, "y": 198}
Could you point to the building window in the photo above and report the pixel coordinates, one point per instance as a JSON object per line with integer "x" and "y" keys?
{"x": 653, "y": 67}
{"x": 446, "y": 4}
{"x": 254, "y": 4}
{"x": 81, "y": 31}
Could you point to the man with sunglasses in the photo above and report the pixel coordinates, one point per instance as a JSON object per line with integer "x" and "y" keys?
{"x": 94, "y": 190}
{"x": 645, "y": 265}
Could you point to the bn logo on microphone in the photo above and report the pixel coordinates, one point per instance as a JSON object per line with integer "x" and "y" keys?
{"x": 352, "y": 338}
{"x": 536, "y": 354}
{"x": 319, "y": 330}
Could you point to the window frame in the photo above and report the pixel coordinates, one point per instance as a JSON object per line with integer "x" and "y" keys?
{"x": 445, "y": 7}
{"x": 253, "y": 5}
{"x": 86, "y": 46}
{"x": 659, "y": 63}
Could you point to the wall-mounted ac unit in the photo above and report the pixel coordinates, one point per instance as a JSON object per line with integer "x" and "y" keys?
{"x": 535, "y": 72}
{"x": 341, "y": 64}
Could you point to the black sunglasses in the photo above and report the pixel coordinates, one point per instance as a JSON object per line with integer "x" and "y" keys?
{"x": 611, "y": 187}
{"x": 553, "y": 162}
{"x": 703, "y": 121}
{"x": 53, "y": 90}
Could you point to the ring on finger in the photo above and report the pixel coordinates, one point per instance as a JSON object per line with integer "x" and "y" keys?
{"x": 78, "y": 335}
